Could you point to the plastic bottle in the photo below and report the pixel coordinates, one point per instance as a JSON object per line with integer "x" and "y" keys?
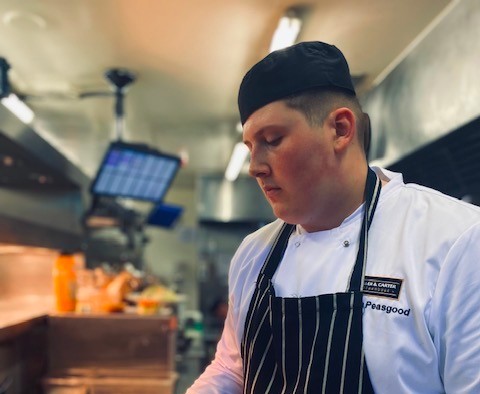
{"x": 64, "y": 282}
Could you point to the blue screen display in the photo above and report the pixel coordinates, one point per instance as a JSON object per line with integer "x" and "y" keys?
{"x": 135, "y": 172}
{"x": 165, "y": 215}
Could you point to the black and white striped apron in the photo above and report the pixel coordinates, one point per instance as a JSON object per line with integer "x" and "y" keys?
{"x": 311, "y": 344}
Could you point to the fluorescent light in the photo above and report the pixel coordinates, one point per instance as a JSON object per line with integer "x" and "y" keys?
{"x": 18, "y": 108}
{"x": 239, "y": 154}
{"x": 286, "y": 33}
{"x": 239, "y": 127}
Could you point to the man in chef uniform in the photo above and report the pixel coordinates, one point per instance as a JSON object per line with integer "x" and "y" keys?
{"x": 364, "y": 283}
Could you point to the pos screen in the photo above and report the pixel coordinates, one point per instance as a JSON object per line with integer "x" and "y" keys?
{"x": 135, "y": 171}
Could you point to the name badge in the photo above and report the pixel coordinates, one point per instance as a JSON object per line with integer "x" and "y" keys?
{"x": 382, "y": 287}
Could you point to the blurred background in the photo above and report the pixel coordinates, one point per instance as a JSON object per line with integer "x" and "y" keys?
{"x": 111, "y": 84}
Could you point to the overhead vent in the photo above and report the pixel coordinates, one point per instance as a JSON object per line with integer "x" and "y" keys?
{"x": 21, "y": 169}
{"x": 450, "y": 164}
{"x": 225, "y": 202}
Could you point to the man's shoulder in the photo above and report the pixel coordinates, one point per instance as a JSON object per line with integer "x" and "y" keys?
{"x": 265, "y": 232}
{"x": 437, "y": 200}
{"x": 423, "y": 209}
{"x": 256, "y": 245}
{"x": 409, "y": 194}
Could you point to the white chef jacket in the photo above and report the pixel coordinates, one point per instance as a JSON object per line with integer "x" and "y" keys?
{"x": 426, "y": 339}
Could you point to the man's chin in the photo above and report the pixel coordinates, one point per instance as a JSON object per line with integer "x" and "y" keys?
{"x": 282, "y": 214}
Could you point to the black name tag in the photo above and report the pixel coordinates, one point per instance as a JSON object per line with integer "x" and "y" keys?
{"x": 382, "y": 287}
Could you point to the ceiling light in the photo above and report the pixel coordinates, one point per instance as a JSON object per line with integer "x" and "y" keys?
{"x": 239, "y": 154}
{"x": 239, "y": 127}
{"x": 18, "y": 108}
{"x": 285, "y": 35}
{"x": 287, "y": 32}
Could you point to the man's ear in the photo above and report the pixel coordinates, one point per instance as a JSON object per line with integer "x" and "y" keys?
{"x": 345, "y": 127}
{"x": 367, "y": 134}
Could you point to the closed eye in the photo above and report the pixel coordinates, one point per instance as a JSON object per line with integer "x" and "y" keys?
{"x": 274, "y": 142}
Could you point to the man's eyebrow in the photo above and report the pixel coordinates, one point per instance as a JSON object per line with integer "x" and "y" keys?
{"x": 269, "y": 127}
{"x": 257, "y": 133}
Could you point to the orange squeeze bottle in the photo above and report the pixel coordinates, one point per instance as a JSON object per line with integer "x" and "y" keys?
{"x": 64, "y": 283}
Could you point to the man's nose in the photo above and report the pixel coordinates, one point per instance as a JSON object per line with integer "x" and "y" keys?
{"x": 258, "y": 166}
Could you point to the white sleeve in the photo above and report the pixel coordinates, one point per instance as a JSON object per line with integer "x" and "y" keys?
{"x": 455, "y": 315}
{"x": 225, "y": 374}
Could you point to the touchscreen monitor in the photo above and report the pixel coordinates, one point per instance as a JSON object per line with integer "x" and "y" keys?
{"x": 135, "y": 171}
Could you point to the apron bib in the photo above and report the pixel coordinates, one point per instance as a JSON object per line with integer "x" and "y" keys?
{"x": 310, "y": 344}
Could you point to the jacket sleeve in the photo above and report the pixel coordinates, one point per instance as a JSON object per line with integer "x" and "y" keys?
{"x": 455, "y": 315}
{"x": 225, "y": 374}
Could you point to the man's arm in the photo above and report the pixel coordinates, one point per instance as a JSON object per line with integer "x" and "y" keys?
{"x": 455, "y": 316}
{"x": 225, "y": 374}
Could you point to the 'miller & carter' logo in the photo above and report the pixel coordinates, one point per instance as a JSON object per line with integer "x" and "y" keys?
{"x": 382, "y": 287}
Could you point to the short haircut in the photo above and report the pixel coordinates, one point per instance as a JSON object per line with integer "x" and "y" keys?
{"x": 317, "y": 104}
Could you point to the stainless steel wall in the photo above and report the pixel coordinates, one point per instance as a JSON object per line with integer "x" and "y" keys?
{"x": 433, "y": 91}
{"x": 241, "y": 201}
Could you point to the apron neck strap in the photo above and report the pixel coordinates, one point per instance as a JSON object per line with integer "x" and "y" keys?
{"x": 277, "y": 251}
{"x": 372, "y": 194}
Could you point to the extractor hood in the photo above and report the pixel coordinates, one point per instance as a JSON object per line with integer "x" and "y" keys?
{"x": 225, "y": 202}
{"x": 42, "y": 194}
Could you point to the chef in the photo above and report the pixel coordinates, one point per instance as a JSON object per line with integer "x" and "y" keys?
{"x": 364, "y": 284}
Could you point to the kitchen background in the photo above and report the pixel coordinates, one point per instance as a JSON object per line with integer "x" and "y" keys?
{"x": 415, "y": 65}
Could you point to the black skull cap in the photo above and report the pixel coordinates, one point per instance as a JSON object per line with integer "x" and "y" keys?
{"x": 292, "y": 70}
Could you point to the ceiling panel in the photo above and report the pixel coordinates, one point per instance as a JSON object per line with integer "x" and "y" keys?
{"x": 188, "y": 57}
